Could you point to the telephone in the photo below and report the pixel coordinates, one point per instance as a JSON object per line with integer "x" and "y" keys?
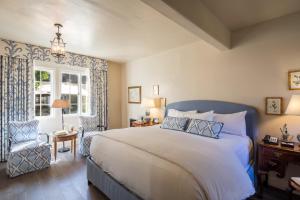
{"x": 270, "y": 140}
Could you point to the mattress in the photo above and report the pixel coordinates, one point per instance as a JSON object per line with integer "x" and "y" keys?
{"x": 157, "y": 163}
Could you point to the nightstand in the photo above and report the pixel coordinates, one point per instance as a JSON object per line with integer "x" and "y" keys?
{"x": 274, "y": 158}
{"x": 142, "y": 124}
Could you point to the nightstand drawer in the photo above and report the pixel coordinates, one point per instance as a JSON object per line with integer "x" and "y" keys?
{"x": 273, "y": 153}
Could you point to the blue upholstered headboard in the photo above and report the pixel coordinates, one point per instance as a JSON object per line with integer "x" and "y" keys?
{"x": 220, "y": 107}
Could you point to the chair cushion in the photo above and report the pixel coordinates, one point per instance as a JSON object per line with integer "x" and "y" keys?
{"x": 89, "y": 123}
{"x": 23, "y": 131}
{"x": 27, "y": 145}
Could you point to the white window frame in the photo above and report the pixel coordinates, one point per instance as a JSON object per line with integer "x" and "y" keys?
{"x": 52, "y": 94}
{"x": 56, "y": 76}
{"x": 79, "y": 73}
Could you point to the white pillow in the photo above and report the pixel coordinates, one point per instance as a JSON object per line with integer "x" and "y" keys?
{"x": 191, "y": 114}
{"x": 234, "y": 123}
{"x": 208, "y": 116}
{"x": 177, "y": 113}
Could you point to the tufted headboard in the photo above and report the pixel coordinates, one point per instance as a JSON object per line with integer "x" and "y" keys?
{"x": 220, "y": 107}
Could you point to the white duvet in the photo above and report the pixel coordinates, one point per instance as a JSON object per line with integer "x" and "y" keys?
{"x": 157, "y": 163}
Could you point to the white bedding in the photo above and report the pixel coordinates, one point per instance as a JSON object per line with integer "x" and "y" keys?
{"x": 164, "y": 164}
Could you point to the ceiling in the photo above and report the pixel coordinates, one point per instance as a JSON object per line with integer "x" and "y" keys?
{"x": 118, "y": 30}
{"x": 237, "y": 14}
{"x": 122, "y": 30}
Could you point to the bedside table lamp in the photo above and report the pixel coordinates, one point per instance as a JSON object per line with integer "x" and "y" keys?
{"x": 148, "y": 104}
{"x": 60, "y": 103}
{"x": 294, "y": 107}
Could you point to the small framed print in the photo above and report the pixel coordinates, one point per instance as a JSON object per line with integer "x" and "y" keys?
{"x": 134, "y": 94}
{"x": 156, "y": 90}
{"x": 274, "y": 105}
{"x": 294, "y": 80}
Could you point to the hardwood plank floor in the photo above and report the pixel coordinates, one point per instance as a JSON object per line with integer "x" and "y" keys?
{"x": 66, "y": 180}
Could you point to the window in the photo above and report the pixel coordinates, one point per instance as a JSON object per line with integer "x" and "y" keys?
{"x": 42, "y": 92}
{"x": 74, "y": 87}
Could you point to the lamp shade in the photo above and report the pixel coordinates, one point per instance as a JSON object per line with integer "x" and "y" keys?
{"x": 59, "y": 103}
{"x": 147, "y": 103}
{"x": 294, "y": 106}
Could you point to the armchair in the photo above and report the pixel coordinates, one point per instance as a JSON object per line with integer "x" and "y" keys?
{"x": 26, "y": 152}
{"x": 89, "y": 127}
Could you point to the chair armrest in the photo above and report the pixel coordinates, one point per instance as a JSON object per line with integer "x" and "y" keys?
{"x": 81, "y": 131}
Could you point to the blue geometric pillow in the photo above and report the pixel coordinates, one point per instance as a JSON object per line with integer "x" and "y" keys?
{"x": 23, "y": 131}
{"x": 205, "y": 128}
{"x": 175, "y": 123}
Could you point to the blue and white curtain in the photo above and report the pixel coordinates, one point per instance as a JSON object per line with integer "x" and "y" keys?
{"x": 15, "y": 96}
{"x": 27, "y": 53}
{"x": 98, "y": 78}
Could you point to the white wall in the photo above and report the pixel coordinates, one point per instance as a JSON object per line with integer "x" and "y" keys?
{"x": 256, "y": 67}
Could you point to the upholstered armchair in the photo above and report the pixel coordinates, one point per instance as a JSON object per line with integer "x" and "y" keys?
{"x": 26, "y": 152}
{"x": 89, "y": 127}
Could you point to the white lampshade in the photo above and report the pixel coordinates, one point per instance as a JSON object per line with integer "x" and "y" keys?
{"x": 151, "y": 103}
{"x": 294, "y": 106}
{"x": 147, "y": 103}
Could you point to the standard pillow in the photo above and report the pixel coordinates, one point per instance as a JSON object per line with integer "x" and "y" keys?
{"x": 23, "y": 131}
{"x": 175, "y": 123}
{"x": 204, "y": 116}
{"x": 205, "y": 128}
{"x": 191, "y": 114}
{"x": 234, "y": 123}
{"x": 177, "y": 113}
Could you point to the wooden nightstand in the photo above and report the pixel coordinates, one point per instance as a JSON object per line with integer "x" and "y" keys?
{"x": 142, "y": 124}
{"x": 274, "y": 158}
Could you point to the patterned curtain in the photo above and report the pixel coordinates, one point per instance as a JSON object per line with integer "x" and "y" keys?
{"x": 98, "y": 78}
{"x": 15, "y": 96}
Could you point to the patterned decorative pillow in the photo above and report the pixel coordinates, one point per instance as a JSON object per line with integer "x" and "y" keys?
{"x": 89, "y": 123}
{"x": 205, "y": 128}
{"x": 175, "y": 123}
{"x": 23, "y": 131}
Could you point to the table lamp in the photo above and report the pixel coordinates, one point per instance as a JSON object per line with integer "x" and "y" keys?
{"x": 293, "y": 107}
{"x": 148, "y": 104}
{"x": 60, "y": 103}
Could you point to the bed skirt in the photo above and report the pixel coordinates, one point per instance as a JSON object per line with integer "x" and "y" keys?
{"x": 107, "y": 184}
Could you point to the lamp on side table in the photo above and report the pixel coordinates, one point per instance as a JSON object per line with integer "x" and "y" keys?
{"x": 60, "y": 103}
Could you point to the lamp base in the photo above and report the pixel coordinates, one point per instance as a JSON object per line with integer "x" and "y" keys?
{"x": 63, "y": 149}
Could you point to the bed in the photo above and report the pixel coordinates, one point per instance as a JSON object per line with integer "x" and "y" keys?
{"x": 133, "y": 164}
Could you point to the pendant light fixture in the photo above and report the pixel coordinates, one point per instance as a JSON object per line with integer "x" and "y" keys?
{"x": 57, "y": 44}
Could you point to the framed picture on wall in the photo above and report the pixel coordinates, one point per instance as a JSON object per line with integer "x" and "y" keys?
{"x": 155, "y": 90}
{"x": 274, "y": 105}
{"x": 134, "y": 94}
{"x": 294, "y": 80}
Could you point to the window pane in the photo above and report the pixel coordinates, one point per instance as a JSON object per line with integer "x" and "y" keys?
{"x": 84, "y": 90}
{"x": 37, "y": 87}
{"x": 83, "y": 104}
{"x": 65, "y": 88}
{"x": 45, "y": 110}
{"x": 37, "y": 99}
{"x": 45, "y": 99}
{"x": 65, "y": 78}
{"x": 74, "y": 79}
{"x": 45, "y": 76}
{"x": 45, "y": 87}
{"x": 74, "y": 109}
{"x": 37, "y": 75}
{"x": 74, "y": 99}
{"x": 66, "y": 111}
{"x": 37, "y": 110}
{"x": 65, "y": 96}
{"x": 83, "y": 79}
{"x": 74, "y": 89}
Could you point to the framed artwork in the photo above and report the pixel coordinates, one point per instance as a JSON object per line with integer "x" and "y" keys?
{"x": 156, "y": 90}
{"x": 294, "y": 80}
{"x": 134, "y": 94}
{"x": 274, "y": 105}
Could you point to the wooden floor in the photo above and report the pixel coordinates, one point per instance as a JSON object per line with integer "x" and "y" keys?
{"x": 66, "y": 179}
